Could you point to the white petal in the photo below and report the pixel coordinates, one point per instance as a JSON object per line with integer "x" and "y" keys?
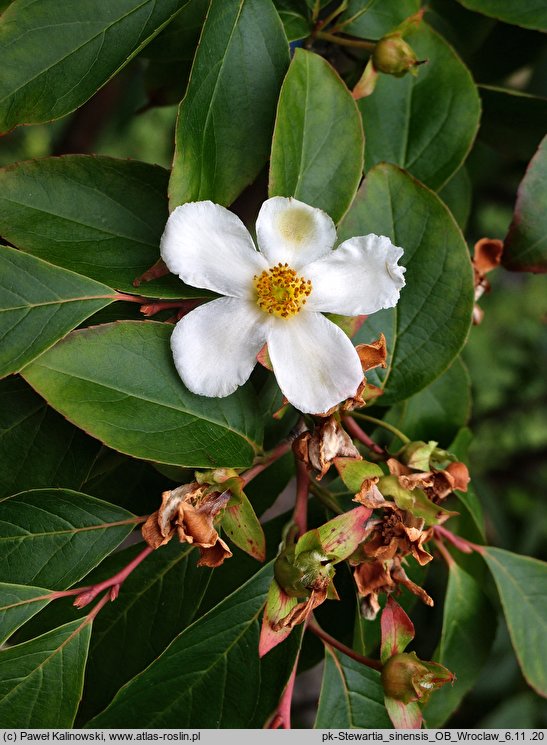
{"x": 215, "y": 346}
{"x": 290, "y": 231}
{"x": 360, "y": 277}
{"x": 315, "y": 363}
{"x": 208, "y": 246}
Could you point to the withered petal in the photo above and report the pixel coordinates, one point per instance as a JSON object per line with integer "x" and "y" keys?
{"x": 213, "y": 556}
{"x": 152, "y": 534}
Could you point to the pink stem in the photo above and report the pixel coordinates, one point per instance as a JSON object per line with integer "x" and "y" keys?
{"x": 282, "y": 718}
{"x": 441, "y": 548}
{"x": 113, "y": 583}
{"x": 276, "y": 453}
{"x": 300, "y": 515}
{"x": 185, "y": 305}
{"x": 355, "y": 431}
{"x": 332, "y": 642}
{"x": 461, "y": 544}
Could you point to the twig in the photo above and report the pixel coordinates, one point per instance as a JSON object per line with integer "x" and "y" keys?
{"x": 332, "y": 642}
{"x": 268, "y": 459}
{"x": 382, "y": 423}
{"x": 355, "y": 431}
{"x": 114, "y": 583}
{"x": 300, "y": 515}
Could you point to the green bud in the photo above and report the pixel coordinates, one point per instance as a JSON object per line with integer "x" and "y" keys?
{"x": 393, "y": 56}
{"x": 406, "y": 678}
{"x": 299, "y": 575}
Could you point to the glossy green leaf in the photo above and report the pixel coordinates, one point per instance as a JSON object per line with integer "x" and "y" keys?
{"x": 403, "y": 126}
{"x": 526, "y": 243}
{"x": 18, "y": 603}
{"x": 457, "y": 195}
{"x": 208, "y": 677}
{"x": 97, "y": 216}
{"x": 39, "y": 304}
{"x": 469, "y": 624}
{"x": 41, "y": 680}
{"x": 179, "y": 39}
{"x": 118, "y": 382}
{"x": 38, "y": 448}
{"x": 527, "y": 13}
{"x": 54, "y": 537}
{"x": 351, "y": 695}
{"x": 513, "y": 122}
{"x": 57, "y": 54}
{"x": 374, "y": 18}
{"x": 429, "y": 325}
{"x": 521, "y": 585}
{"x": 438, "y": 411}
{"x": 296, "y": 25}
{"x": 317, "y": 148}
{"x": 156, "y": 602}
{"x": 226, "y": 118}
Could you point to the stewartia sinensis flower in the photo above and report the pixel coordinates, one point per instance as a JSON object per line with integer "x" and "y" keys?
{"x": 275, "y": 296}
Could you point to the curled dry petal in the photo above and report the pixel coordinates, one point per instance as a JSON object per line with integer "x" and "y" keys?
{"x": 375, "y": 576}
{"x": 328, "y": 441}
{"x": 190, "y": 511}
{"x": 374, "y": 354}
{"x": 302, "y": 610}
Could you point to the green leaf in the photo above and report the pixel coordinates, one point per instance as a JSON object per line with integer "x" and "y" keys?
{"x": 39, "y": 304}
{"x": 18, "y": 603}
{"x": 375, "y": 18}
{"x": 210, "y": 676}
{"x": 243, "y": 527}
{"x": 429, "y": 325}
{"x": 226, "y": 118}
{"x": 38, "y": 448}
{"x": 457, "y": 194}
{"x": 179, "y": 39}
{"x": 527, "y": 13}
{"x": 41, "y": 680}
{"x": 526, "y": 243}
{"x": 469, "y": 624}
{"x": 54, "y": 537}
{"x": 317, "y": 148}
{"x": 351, "y": 695}
{"x": 438, "y": 411}
{"x": 156, "y": 602}
{"x": 512, "y": 121}
{"x": 296, "y": 25}
{"x": 521, "y": 584}
{"x": 118, "y": 383}
{"x": 402, "y": 126}
{"x": 354, "y": 472}
{"x": 97, "y": 216}
{"x": 56, "y": 55}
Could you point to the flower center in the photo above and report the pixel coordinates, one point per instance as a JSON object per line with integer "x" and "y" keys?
{"x": 280, "y": 291}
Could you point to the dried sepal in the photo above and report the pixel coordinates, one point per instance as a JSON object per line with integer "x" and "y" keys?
{"x": 328, "y": 441}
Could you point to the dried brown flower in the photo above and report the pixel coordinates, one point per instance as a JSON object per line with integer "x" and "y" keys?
{"x": 189, "y": 511}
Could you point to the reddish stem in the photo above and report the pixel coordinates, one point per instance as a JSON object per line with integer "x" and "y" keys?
{"x": 275, "y": 454}
{"x": 185, "y": 305}
{"x": 441, "y": 548}
{"x": 113, "y": 583}
{"x": 332, "y": 642}
{"x": 282, "y": 717}
{"x": 460, "y": 543}
{"x": 300, "y": 515}
{"x": 355, "y": 431}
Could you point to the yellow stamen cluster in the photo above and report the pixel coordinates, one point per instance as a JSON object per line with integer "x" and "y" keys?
{"x": 280, "y": 291}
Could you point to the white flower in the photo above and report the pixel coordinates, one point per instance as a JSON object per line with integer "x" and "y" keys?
{"x": 275, "y": 296}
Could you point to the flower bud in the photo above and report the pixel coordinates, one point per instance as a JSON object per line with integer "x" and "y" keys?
{"x": 406, "y": 678}
{"x": 393, "y": 56}
{"x": 299, "y": 575}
